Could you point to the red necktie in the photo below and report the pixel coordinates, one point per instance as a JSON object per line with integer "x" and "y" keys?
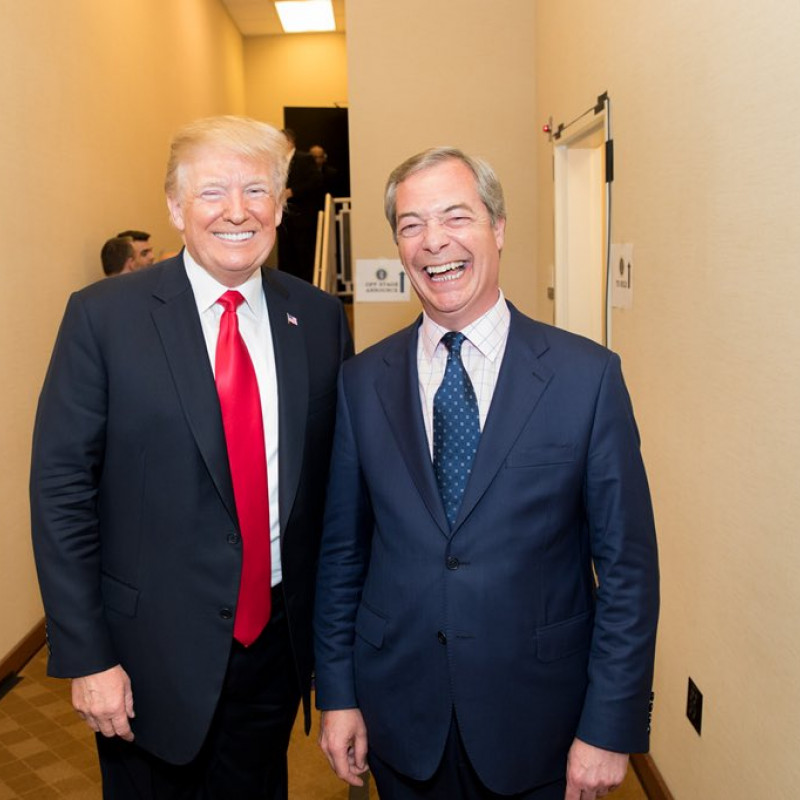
{"x": 240, "y": 401}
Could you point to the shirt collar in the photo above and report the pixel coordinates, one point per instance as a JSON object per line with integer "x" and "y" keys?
{"x": 487, "y": 334}
{"x": 207, "y": 289}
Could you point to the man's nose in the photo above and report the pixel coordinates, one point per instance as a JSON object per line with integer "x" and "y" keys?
{"x": 235, "y": 210}
{"x": 434, "y": 235}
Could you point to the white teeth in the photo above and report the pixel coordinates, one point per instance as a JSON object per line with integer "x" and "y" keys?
{"x": 440, "y": 268}
{"x": 235, "y": 237}
{"x": 450, "y": 276}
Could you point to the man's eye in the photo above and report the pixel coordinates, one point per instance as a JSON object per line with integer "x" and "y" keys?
{"x": 257, "y": 191}
{"x": 211, "y": 194}
{"x": 411, "y": 229}
{"x": 457, "y": 221}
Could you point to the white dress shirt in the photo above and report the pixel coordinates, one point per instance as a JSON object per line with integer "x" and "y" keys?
{"x": 482, "y": 354}
{"x": 257, "y": 334}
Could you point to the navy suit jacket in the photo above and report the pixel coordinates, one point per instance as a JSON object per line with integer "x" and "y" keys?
{"x": 500, "y": 617}
{"x": 134, "y": 523}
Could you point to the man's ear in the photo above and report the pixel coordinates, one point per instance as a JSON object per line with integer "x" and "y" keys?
{"x": 500, "y": 233}
{"x": 175, "y": 212}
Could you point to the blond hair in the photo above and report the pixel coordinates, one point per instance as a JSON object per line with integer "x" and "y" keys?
{"x": 241, "y": 136}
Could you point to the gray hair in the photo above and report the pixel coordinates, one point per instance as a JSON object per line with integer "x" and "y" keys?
{"x": 242, "y": 136}
{"x": 487, "y": 183}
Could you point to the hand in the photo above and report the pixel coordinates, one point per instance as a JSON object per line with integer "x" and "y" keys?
{"x": 593, "y": 772}
{"x": 105, "y": 701}
{"x": 343, "y": 739}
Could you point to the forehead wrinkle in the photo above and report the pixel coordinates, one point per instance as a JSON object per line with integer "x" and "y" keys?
{"x": 447, "y": 210}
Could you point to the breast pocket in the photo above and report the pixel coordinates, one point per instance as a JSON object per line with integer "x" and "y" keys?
{"x": 541, "y": 456}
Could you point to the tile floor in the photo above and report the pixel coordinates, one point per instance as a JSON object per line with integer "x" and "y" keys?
{"x": 47, "y": 753}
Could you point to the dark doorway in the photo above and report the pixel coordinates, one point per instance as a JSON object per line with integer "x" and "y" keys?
{"x": 326, "y": 127}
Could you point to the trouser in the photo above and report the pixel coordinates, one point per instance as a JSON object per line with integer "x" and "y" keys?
{"x": 244, "y": 754}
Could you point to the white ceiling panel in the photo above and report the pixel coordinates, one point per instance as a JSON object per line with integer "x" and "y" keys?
{"x": 259, "y": 18}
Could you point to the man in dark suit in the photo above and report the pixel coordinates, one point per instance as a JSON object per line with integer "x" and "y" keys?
{"x": 305, "y": 198}
{"x": 484, "y": 467}
{"x": 331, "y": 183}
{"x": 180, "y": 459}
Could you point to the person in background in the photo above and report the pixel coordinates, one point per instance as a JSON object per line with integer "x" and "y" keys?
{"x": 297, "y": 234}
{"x": 330, "y": 175}
{"x": 117, "y": 256}
{"x": 180, "y": 458}
{"x": 486, "y": 468}
{"x": 143, "y": 250}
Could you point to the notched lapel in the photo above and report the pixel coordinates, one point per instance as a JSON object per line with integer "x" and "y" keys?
{"x": 522, "y": 381}
{"x": 178, "y": 324}
{"x": 291, "y": 367}
{"x": 398, "y": 391}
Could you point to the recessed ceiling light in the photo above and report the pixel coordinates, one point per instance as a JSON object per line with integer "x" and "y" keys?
{"x": 303, "y": 16}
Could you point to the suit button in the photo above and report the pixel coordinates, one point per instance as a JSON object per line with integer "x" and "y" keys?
{"x": 441, "y": 637}
{"x": 453, "y": 563}
{"x": 233, "y": 538}
{"x": 226, "y": 613}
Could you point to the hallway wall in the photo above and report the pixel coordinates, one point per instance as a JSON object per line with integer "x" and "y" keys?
{"x": 706, "y": 105}
{"x": 425, "y": 73}
{"x": 91, "y": 94}
{"x": 299, "y": 70}
{"x": 706, "y": 109}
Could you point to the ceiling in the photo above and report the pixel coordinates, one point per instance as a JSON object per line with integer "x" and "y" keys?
{"x": 259, "y": 18}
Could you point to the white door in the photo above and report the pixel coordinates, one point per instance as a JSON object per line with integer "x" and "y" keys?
{"x": 581, "y": 231}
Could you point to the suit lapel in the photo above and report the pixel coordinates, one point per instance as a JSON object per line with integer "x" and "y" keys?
{"x": 291, "y": 367}
{"x": 522, "y": 380}
{"x": 178, "y": 324}
{"x": 398, "y": 391}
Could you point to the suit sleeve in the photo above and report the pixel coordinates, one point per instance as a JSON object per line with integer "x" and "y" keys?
{"x": 343, "y": 565}
{"x": 66, "y": 463}
{"x": 617, "y": 705}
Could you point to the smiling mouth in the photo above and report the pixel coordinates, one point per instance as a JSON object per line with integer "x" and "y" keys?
{"x": 451, "y": 271}
{"x": 239, "y": 236}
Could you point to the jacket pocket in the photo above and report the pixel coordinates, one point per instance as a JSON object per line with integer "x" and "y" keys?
{"x": 370, "y": 626}
{"x": 541, "y": 456}
{"x": 562, "y": 639}
{"x": 119, "y": 596}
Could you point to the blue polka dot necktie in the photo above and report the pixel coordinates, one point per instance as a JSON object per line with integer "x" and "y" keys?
{"x": 456, "y": 428}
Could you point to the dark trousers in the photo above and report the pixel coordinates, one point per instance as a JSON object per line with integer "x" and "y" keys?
{"x": 244, "y": 755}
{"x": 454, "y": 778}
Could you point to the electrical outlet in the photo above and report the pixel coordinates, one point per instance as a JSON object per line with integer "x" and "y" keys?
{"x": 694, "y": 706}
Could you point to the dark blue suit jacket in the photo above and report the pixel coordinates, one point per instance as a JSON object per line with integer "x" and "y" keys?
{"x": 500, "y": 617}
{"x": 134, "y": 523}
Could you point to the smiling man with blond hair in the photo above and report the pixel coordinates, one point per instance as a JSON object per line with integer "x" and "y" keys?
{"x": 179, "y": 466}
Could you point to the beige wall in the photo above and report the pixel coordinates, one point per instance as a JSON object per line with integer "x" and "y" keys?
{"x": 425, "y": 73}
{"x": 90, "y": 95}
{"x": 298, "y": 70}
{"x": 705, "y": 114}
{"x": 705, "y": 118}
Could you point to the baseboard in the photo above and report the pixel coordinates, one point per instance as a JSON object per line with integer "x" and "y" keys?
{"x": 23, "y": 652}
{"x": 647, "y": 772}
